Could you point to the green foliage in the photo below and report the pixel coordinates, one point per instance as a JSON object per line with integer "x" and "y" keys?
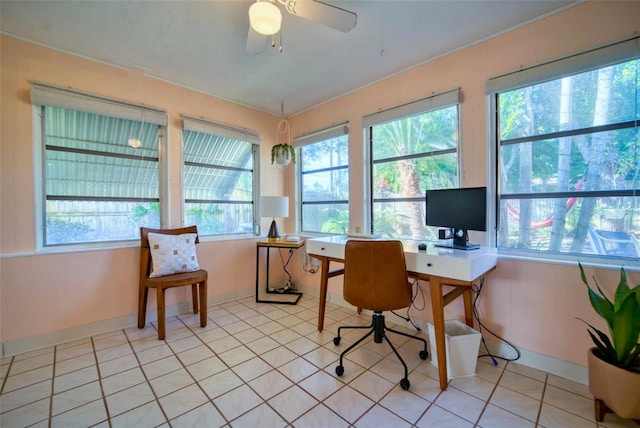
{"x": 282, "y": 149}
{"x": 207, "y": 220}
{"x": 551, "y": 147}
{"x": 141, "y": 211}
{"x": 338, "y": 222}
{"x": 412, "y": 155}
{"x": 59, "y": 230}
{"x": 623, "y": 318}
{"x": 146, "y": 215}
{"x": 390, "y": 223}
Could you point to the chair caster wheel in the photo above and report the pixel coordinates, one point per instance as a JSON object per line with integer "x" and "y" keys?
{"x": 339, "y": 370}
{"x": 423, "y": 355}
{"x": 404, "y": 384}
{"x": 336, "y": 341}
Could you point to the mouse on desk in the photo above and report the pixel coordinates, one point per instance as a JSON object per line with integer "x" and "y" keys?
{"x": 422, "y": 247}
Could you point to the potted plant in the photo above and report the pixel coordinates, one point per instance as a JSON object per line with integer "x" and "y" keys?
{"x": 282, "y": 154}
{"x": 614, "y": 363}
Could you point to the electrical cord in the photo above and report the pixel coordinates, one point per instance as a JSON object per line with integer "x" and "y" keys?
{"x": 477, "y": 290}
{"x": 413, "y": 299}
{"x": 289, "y": 284}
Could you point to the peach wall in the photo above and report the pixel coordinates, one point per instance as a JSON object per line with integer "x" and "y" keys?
{"x": 43, "y": 293}
{"x": 534, "y": 305}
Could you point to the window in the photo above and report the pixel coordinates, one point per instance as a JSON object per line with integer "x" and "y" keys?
{"x": 412, "y": 148}
{"x": 219, "y": 177}
{"x": 324, "y": 180}
{"x": 100, "y": 167}
{"x": 568, "y": 176}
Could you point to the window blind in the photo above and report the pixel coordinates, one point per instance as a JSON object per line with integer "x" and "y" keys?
{"x": 53, "y": 96}
{"x": 321, "y": 135}
{"x": 202, "y": 125}
{"x": 558, "y": 68}
{"x": 434, "y": 102}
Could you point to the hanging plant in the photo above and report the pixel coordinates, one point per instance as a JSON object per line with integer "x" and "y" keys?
{"x": 283, "y": 154}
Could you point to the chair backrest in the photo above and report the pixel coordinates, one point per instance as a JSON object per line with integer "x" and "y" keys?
{"x": 145, "y": 251}
{"x": 375, "y": 275}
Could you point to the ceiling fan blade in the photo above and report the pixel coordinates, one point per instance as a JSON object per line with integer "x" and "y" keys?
{"x": 323, "y": 13}
{"x": 256, "y": 42}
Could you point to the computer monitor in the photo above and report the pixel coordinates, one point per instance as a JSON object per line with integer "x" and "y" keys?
{"x": 459, "y": 210}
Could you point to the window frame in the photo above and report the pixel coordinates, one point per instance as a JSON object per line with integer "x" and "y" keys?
{"x": 205, "y": 126}
{"x": 318, "y": 136}
{"x": 425, "y": 105}
{"x": 45, "y": 95}
{"x": 552, "y": 70}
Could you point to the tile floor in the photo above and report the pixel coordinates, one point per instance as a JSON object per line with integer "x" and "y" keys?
{"x": 266, "y": 365}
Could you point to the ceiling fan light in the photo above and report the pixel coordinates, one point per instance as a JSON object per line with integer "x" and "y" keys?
{"x": 265, "y": 17}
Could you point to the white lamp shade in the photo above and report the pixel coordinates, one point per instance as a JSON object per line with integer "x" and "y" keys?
{"x": 265, "y": 17}
{"x": 274, "y": 206}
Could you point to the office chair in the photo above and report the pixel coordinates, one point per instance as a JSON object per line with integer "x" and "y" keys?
{"x": 375, "y": 278}
{"x": 169, "y": 269}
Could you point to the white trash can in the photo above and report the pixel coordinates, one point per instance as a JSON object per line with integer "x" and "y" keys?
{"x": 462, "y": 344}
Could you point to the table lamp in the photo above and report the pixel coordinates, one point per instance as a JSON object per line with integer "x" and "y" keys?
{"x": 274, "y": 206}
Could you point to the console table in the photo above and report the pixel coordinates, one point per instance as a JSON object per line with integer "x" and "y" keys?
{"x": 439, "y": 266}
{"x": 291, "y": 245}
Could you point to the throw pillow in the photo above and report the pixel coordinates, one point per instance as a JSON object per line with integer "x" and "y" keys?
{"x": 173, "y": 254}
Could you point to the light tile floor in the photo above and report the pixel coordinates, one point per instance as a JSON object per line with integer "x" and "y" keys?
{"x": 267, "y": 365}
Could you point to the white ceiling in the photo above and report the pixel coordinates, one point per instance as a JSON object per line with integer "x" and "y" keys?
{"x": 201, "y": 44}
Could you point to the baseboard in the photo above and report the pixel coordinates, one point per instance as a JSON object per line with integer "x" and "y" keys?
{"x": 19, "y": 346}
{"x": 565, "y": 369}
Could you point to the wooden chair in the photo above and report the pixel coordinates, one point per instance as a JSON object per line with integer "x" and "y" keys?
{"x": 196, "y": 279}
{"x": 375, "y": 278}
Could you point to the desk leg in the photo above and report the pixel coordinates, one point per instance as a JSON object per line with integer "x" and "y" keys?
{"x": 267, "y": 292}
{"x": 257, "y": 272}
{"x": 437, "y": 307}
{"x": 324, "y": 283}
{"x": 266, "y": 268}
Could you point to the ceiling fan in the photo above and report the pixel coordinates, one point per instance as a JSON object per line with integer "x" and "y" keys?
{"x": 265, "y": 18}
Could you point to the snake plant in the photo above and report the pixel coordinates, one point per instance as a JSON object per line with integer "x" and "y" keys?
{"x": 621, "y": 347}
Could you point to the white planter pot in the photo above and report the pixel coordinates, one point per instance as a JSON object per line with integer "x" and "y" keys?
{"x": 283, "y": 159}
{"x": 613, "y": 389}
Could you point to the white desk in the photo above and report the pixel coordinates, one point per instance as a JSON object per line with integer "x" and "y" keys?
{"x": 439, "y": 266}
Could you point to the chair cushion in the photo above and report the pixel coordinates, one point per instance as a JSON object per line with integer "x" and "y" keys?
{"x": 173, "y": 254}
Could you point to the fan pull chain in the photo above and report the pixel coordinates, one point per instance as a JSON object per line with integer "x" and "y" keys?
{"x": 273, "y": 41}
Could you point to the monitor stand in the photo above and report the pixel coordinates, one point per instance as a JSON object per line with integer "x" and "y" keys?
{"x": 460, "y": 241}
{"x": 458, "y": 247}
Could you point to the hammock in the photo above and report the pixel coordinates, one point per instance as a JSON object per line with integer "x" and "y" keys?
{"x": 547, "y": 221}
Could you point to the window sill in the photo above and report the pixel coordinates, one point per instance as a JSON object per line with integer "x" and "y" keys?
{"x": 571, "y": 260}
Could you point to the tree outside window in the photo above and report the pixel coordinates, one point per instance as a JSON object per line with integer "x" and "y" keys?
{"x": 324, "y": 178}
{"x": 409, "y": 156}
{"x": 568, "y": 163}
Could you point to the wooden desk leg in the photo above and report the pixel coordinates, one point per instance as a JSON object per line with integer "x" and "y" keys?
{"x": 437, "y": 307}
{"x": 324, "y": 282}
{"x": 468, "y": 313}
